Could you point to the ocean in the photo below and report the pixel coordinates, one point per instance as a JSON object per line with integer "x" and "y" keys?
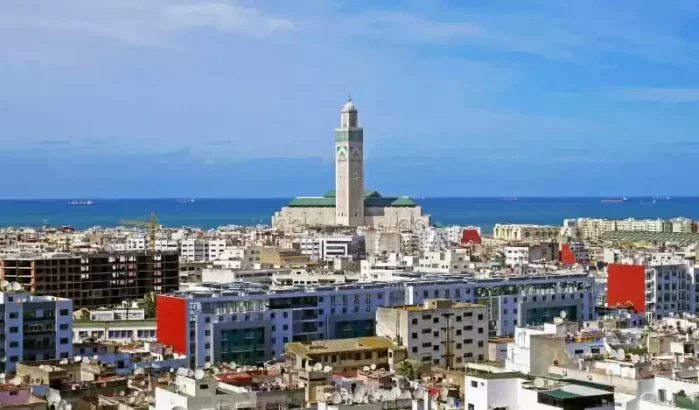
{"x": 210, "y": 213}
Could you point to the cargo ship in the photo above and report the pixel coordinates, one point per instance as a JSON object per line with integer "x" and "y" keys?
{"x": 614, "y": 200}
{"x": 81, "y": 203}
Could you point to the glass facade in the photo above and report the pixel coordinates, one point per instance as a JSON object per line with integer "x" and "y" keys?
{"x": 243, "y": 346}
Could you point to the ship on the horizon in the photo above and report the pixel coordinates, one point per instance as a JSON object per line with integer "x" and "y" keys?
{"x": 614, "y": 200}
{"x": 81, "y": 203}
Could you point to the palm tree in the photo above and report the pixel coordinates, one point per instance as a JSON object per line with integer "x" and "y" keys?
{"x": 406, "y": 369}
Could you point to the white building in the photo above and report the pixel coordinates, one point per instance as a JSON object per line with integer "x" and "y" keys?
{"x": 453, "y": 260}
{"x": 136, "y": 243}
{"x": 202, "y": 394}
{"x": 331, "y": 247}
{"x": 512, "y": 391}
{"x": 27, "y": 320}
{"x": 437, "y": 332}
{"x": 434, "y": 239}
{"x": 192, "y": 250}
{"x": 122, "y": 331}
{"x": 349, "y": 204}
{"x": 516, "y": 255}
{"x": 381, "y": 243}
{"x": 642, "y": 225}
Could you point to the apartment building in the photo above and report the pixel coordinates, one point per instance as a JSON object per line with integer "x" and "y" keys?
{"x": 526, "y": 233}
{"x": 438, "y": 331}
{"x": 34, "y": 328}
{"x": 453, "y": 260}
{"x": 201, "y": 250}
{"x": 251, "y": 323}
{"x": 345, "y": 354}
{"x": 94, "y": 280}
{"x": 331, "y": 247}
{"x": 657, "y": 290}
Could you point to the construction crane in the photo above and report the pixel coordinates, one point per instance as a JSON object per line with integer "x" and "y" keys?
{"x": 152, "y": 225}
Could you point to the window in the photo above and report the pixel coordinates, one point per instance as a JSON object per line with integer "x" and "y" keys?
{"x": 468, "y": 314}
{"x": 14, "y": 315}
{"x": 458, "y": 332}
{"x": 470, "y": 407}
{"x": 14, "y": 329}
{"x": 207, "y": 333}
{"x": 14, "y": 359}
{"x": 480, "y": 330}
{"x": 480, "y": 343}
{"x": 579, "y": 351}
{"x": 64, "y": 341}
{"x": 468, "y": 328}
{"x": 414, "y": 335}
{"x": 480, "y": 316}
{"x": 64, "y": 312}
{"x": 435, "y": 320}
{"x": 458, "y": 318}
{"x": 64, "y": 326}
{"x": 474, "y": 384}
{"x": 468, "y": 341}
{"x": 414, "y": 349}
{"x": 207, "y": 345}
{"x": 285, "y": 327}
{"x": 14, "y": 345}
{"x": 414, "y": 321}
{"x": 435, "y": 334}
{"x": 207, "y": 358}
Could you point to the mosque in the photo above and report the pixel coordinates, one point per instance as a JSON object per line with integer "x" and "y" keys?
{"x": 350, "y": 204}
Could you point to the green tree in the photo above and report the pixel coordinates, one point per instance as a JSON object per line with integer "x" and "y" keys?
{"x": 149, "y": 305}
{"x": 407, "y": 369}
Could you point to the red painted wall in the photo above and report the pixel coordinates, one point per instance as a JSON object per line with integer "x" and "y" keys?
{"x": 567, "y": 255}
{"x": 626, "y": 283}
{"x": 172, "y": 322}
{"x": 470, "y": 235}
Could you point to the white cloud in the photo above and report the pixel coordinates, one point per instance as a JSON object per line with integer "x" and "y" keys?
{"x": 663, "y": 95}
{"x": 139, "y": 23}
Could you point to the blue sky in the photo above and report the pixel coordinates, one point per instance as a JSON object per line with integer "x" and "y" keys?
{"x": 226, "y": 98}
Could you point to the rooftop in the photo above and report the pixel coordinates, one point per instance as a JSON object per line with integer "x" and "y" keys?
{"x": 341, "y": 345}
{"x": 651, "y": 237}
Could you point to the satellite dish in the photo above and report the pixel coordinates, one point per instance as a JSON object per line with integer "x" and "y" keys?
{"x": 301, "y": 385}
{"x": 16, "y": 286}
{"x": 122, "y": 393}
{"x": 4, "y": 284}
{"x": 620, "y": 354}
{"x": 232, "y": 365}
{"x": 199, "y": 374}
{"x": 539, "y": 383}
{"x": 132, "y": 400}
{"x": 318, "y": 367}
{"x": 77, "y": 359}
{"x": 190, "y": 373}
{"x": 563, "y": 314}
{"x": 366, "y": 368}
{"x": 635, "y": 358}
{"x": 373, "y": 366}
{"x": 671, "y": 314}
{"x": 86, "y": 360}
{"x": 68, "y": 406}
{"x": 207, "y": 365}
{"x": 95, "y": 357}
{"x": 327, "y": 369}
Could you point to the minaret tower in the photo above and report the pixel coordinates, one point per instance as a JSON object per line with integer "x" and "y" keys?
{"x": 349, "y": 168}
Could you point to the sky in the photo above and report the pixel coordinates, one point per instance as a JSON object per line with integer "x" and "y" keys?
{"x": 234, "y": 98}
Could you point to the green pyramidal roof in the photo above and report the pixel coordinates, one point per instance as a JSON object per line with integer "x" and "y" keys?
{"x": 372, "y": 199}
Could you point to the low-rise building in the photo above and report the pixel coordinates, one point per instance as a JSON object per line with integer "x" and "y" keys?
{"x": 345, "y": 354}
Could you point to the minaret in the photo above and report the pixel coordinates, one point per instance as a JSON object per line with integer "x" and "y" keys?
{"x": 349, "y": 168}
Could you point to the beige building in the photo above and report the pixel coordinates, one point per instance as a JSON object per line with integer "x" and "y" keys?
{"x": 350, "y": 204}
{"x": 526, "y": 233}
{"x": 439, "y": 331}
{"x": 345, "y": 354}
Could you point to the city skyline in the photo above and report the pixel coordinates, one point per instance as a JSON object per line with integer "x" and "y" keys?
{"x": 239, "y": 98}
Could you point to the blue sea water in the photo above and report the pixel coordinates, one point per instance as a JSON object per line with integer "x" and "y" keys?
{"x": 210, "y": 213}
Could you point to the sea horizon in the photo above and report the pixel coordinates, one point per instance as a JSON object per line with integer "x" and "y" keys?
{"x": 209, "y": 213}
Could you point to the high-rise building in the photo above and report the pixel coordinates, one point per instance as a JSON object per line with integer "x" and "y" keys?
{"x": 94, "y": 280}
{"x": 34, "y": 328}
